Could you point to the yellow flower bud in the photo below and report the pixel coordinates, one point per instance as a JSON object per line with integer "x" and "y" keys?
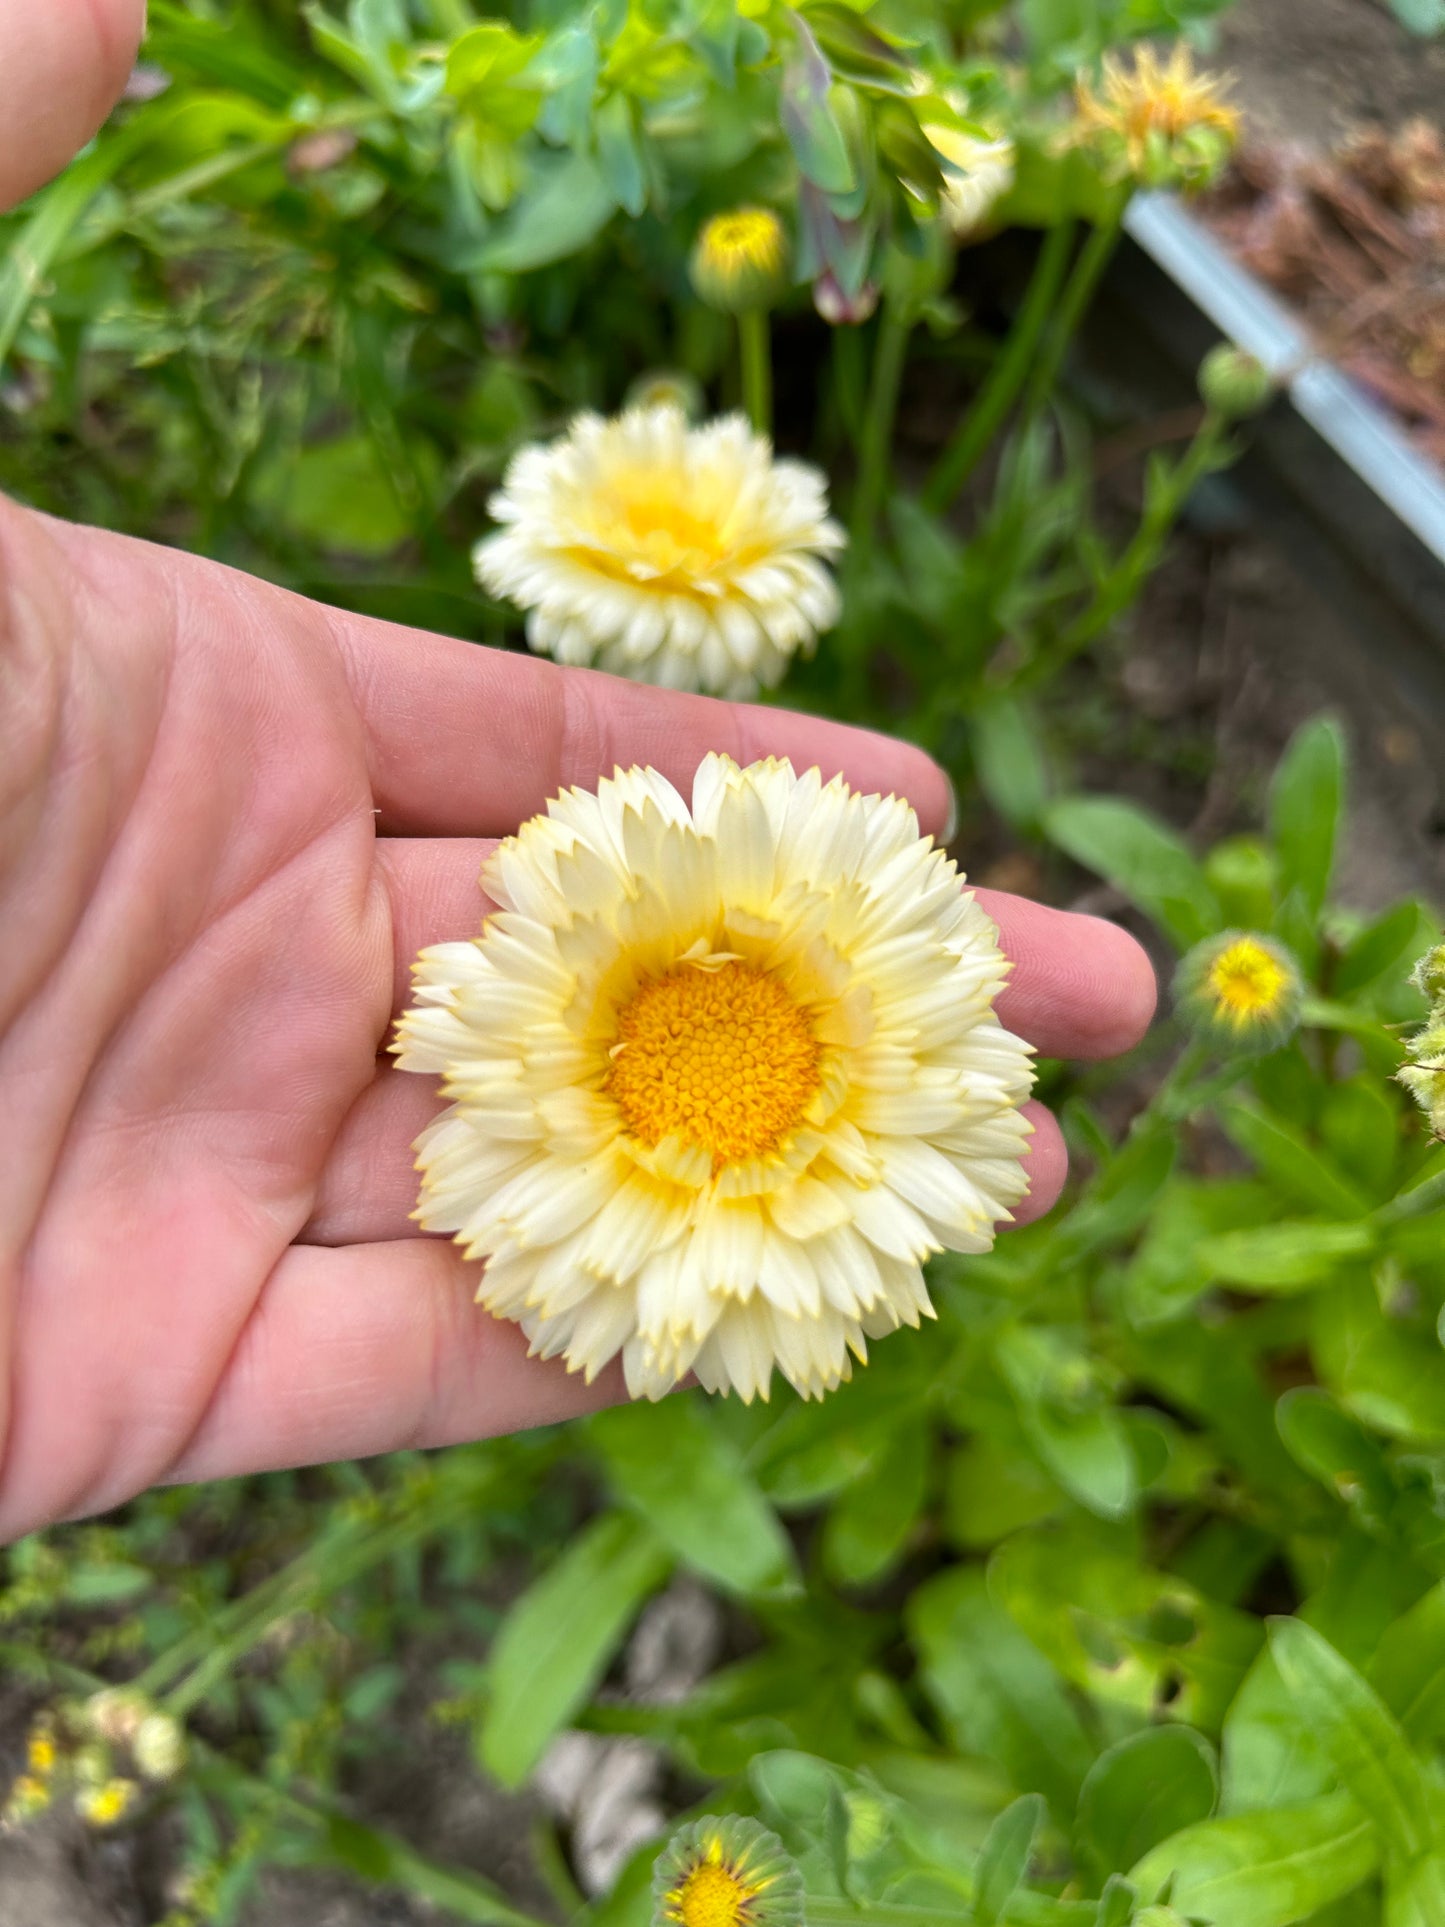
{"x": 741, "y": 260}
{"x": 1242, "y": 990}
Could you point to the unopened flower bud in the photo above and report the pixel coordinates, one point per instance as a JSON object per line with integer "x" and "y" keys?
{"x": 839, "y": 308}
{"x": 159, "y": 1750}
{"x": 740, "y": 261}
{"x": 1429, "y": 974}
{"x": 1234, "y": 384}
{"x": 668, "y": 388}
{"x": 115, "y": 1715}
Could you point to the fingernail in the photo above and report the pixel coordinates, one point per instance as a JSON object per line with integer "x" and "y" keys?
{"x": 950, "y": 822}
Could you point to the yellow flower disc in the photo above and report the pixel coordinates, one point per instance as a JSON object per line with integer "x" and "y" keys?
{"x": 712, "y": 1896}
{"x": 721, "y": 1058}
{"x": 1247, "y": 982}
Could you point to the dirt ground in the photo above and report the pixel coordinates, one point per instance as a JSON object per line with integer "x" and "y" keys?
{"x": 1307, "y": 70}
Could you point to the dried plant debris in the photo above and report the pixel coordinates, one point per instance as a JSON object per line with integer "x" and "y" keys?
{"x": 1354, "y": 238}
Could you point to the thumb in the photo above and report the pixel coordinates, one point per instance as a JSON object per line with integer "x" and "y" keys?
{"x": 62, "y": 66}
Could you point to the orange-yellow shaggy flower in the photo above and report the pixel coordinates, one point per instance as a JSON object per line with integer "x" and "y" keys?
{"x": 683, "y": 556}
{"x": 1159, "y": 122}
{"x": 722, "y": 1077}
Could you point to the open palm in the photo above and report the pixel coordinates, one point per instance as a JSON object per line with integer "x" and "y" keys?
{"x": 228, "y": 819}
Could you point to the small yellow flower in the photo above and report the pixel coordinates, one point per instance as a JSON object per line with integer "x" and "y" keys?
{"x": 741, "y": 260}
{"x": 1160, "y": 123}
{"x": 727, "y": 1872}
{"x": 41, "y": 1752}
{"x": 1242, "y": 988}
{"x": 105, "y": 1805}
{"x": 684, "y": 556}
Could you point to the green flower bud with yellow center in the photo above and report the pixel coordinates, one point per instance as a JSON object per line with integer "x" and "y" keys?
{"x": 1241, "y": 990}
{"x": 1234, "y": 384}
{"x": 727, "y": 1872}
{"x": 740, "y": 261}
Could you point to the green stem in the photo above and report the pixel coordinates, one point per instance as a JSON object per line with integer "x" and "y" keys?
{"x": 1121, "y": 585}
{"x": 889, "y": 355}
{"x": 757, "y": 368}
{"x": 1094, "y": 257}
{"x": 1006, "y": 379}
{"x": 849, "y": 381}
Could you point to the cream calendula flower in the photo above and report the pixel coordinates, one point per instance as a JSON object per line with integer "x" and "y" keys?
{"x": 722, "y": 1077}
{"x": 676, "y": 555}
{"x": 980, "y": 172}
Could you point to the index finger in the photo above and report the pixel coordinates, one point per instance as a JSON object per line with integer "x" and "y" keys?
{"x": 465, "y": 740}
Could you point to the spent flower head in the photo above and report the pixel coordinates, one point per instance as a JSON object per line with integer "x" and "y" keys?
{"x": 726, "y": 1872}
{"x": 1155, "y": 122}
{"x": 684, "y": 556}
{"x": 740, "y": 260}
{"x": 1241, "y": 989}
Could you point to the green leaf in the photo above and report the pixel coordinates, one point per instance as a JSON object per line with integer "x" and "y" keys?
{"x": 673, "y": 1464}
{"x": 1009, "y": 761}
{"x": 1286, "y": 1257}
{"x": 1371, "y": 1755}
{"x": 1390, "y": 943}
{"x": 619, "y": 156}
{"x": 1304, "y": 810}
{"x": 564, "y": 206}
{"x": 557, "y": 1640}
{"x": 1408, "y": 1670}
{"x": 1004, "y": 1858}
{"x": 873, "y": 1517}
{"x": 1142, "y": 1790}
{"x": 1121, "y": 1198}
{"x": 1263, "y": 1869}
{"x": 1075, "y": 1431}
{"x": 1337, "y": 1450}
{"x": 809, "y": 123}
{"x": 1282, "y": 1153}
{"x": 1415, "y": 1895}
{"x": 998, "y": 1695}
{"x": 1140, "y": 856}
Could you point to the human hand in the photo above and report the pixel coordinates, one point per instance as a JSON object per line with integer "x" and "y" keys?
{"x": 228, "y": 820}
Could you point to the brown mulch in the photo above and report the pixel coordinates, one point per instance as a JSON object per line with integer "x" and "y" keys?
{"x": 1354, "y": 239}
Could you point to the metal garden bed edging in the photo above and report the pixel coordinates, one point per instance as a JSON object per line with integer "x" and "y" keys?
{"x": 1336, "y": 408}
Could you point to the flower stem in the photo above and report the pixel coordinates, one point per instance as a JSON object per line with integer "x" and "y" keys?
{"x": 1006, "y": 379}
{"x": 889, "y": 355}
{"x": 755, "y": 350}
{"x": 1121, "y": 585}
{"x": 1094, "y": 257}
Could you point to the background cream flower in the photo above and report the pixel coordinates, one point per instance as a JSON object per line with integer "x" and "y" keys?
{"x": 979, "y": 173}
{"x": 721, "y": 1077}
{"x": 674, "y": 555}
